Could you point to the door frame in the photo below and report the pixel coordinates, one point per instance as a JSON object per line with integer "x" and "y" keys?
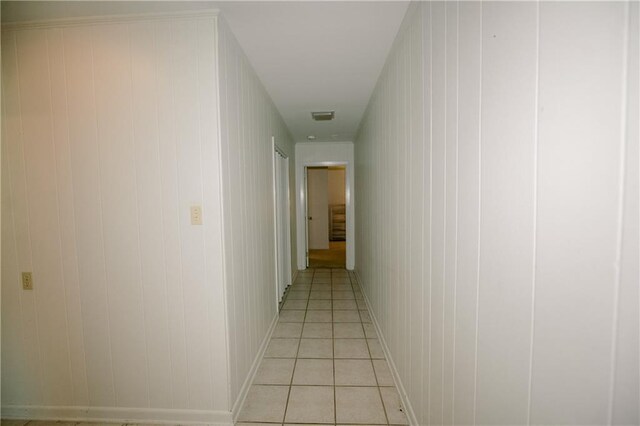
{"x": 287, "y": 220}
{"x": 305, "y": 192}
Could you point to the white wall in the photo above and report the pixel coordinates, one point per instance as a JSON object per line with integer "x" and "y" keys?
{"x": 248, "y": 121}
{"x": 324, "y": 154}
{"x": 494, "y": 246}
{"x": 110, "y": 134}
{"x": 336, "y": 185}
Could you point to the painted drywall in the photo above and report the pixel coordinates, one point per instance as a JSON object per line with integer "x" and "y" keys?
{"x": 248, "y": 121}
{"x": 324, "y": 154}
{"x": 318, "y": 205}
{"x": 497, "y": 215}
{"x": 336, "y": 182}
{"x": 110, "y": 135}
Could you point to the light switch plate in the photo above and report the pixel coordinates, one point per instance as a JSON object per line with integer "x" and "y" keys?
{"x": 27, "y": 281}
{"x": 196, "y": 215}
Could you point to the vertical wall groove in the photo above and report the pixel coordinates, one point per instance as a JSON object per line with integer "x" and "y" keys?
{"x": 101, "y": 220}
{"x": 57, "y": 210}
{"x": 535, "y": 212}
{"x": 475, "y": 352}
{"x": 28, "y": 227}
{"x": 621, "y": 207}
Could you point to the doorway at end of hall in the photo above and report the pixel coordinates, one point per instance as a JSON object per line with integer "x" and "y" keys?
{"x": 326, "y": 217}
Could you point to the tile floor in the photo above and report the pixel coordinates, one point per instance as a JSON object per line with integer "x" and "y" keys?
{"x": 324, "y": 363}
{"x": 6, "y": 422}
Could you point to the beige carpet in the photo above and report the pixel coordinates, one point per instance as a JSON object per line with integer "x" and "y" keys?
{"x": 335, "y": 257}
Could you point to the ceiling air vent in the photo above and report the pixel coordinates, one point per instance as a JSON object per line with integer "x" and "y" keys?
{"x": 323, "y": 115}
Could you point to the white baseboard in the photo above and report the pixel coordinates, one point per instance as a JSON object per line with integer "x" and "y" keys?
{"x": 244, "y": 390}
{"x": 411, "y": 416}
{"x": 117, "y": 415}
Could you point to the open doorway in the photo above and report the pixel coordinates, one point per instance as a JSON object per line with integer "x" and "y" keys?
{"x": 326, "y": 216}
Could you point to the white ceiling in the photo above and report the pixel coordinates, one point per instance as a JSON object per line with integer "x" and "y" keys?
{"x": 317, "y": 56}
{"x": 311, "y": 56}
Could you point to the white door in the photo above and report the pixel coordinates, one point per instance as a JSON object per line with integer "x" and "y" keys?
{"x": 318, "y": 208}
{"x": 282, "y": 223}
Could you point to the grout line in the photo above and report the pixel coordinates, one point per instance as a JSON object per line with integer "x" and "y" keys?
{"x": 295, "y": 364}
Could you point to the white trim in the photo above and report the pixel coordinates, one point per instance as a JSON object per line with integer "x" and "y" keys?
{"x": 244, "y": 390}
{"x": 117, "y": 414}
{"x": 411, "y": 415}
{"x": 108, "y": 19}
{"x": 274, "y": 197}
{"x": 324, "y": 154}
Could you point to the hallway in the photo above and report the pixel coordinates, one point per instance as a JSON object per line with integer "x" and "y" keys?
{"x": 480, "y": 160}
{"x": 324, "y": 363}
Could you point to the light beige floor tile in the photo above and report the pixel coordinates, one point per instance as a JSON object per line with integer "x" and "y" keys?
{"x": 375, "y": 349}
{"x": 313, "y": 372}
{"x": 317, "y": 295}
{"x": 7, "y": 422}
{"x": 264, "y": 404}
{"x": 257, "y": 424}
{"x": 343, "y": 295}
{"x": 351, "y": 348}
{"x": 346, "y": 316}
{"x": 319, "y": 304}
{"x": 348, "y": 330}
{"x": 87, "y": 423}
{"x": 305, "y": 274}
{"x": 311, "y": 404}
{"x": 365, "y": 316}
{"x": 341, "y": 287}
{"x": 292, "y": 316}
{"x": 321, "y": 287}
{"x": 318, "y": 316}
{"x": 361, "y": 304}
{"x": 393, "y": 406}
{"x": 383, "y": 373}
{"x": 288, "y": 329}
{"x": 56, "y": 423}
{"x": 340, "y": 280}
{"x": 359, "y": 405}
{"x": 274, "y": 371}
{"x": 282, "y": 348}
{"x": 298, "y": 295}
{"x": 317, "y": 330}
{"x": 316, "y": 348}
{"x": 301, "y": 287}
{"x": 295, "y": 304}
{"x": 135, "y": 424}
{"x": 369, "y": 331}
{"x": 339, "y": 305}
{"x": 321, "y": 279}
{"x": 354, "y": 372}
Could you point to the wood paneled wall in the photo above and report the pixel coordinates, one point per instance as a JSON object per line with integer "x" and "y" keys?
{"x": 109, "y": 135}
{"x": 249, "y": 120}
{"x": 497, "y": 214}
